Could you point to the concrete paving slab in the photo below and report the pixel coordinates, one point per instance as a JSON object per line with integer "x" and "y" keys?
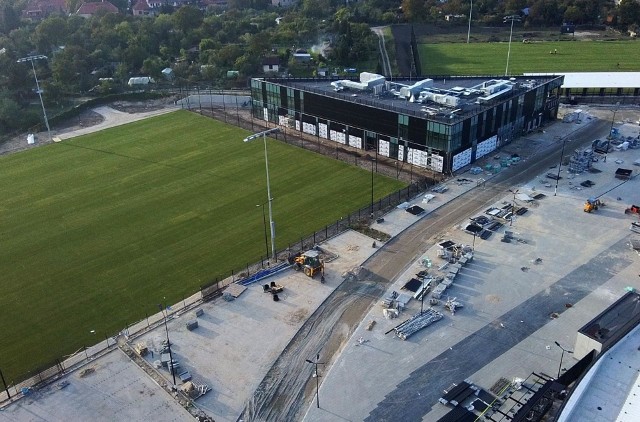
{"x": 237, "y": 342}
{"x": 586, "y": 263}
{"x": 109, "y": 388}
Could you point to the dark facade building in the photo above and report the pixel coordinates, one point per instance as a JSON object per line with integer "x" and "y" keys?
{"x": 442, "y": 124}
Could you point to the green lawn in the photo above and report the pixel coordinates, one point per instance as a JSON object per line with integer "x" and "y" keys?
{"x": 99, "y": 229}
{"x": 491, "y": 58}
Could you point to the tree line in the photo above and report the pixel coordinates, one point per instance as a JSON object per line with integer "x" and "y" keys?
{"x": 99, "y": 54}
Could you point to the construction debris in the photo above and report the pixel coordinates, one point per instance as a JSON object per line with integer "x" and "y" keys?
{"x": 141, "y": 349}
{"x": 580, "y": 161}
{"x": 417, "y": 323}
{"x": 451, "y": 305}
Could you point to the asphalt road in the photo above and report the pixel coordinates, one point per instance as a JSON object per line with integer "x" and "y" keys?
{"x": 289, "y": 386}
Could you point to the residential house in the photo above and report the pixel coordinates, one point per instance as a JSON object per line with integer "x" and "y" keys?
{"x": 284, "y": 3}
{"x": 271, "y": 64}
{"x": 40, "y": 9}
{"x": 89, "y": 9}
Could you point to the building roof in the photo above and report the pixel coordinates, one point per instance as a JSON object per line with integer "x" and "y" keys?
{"x": 273, "y": 60}
{"x": 596, "y": 79}
{"x": 91, "y": 8}
{"x": 43, "y": 7}
{"x": 609, "y": 391}
{"x": 141, "y": 5}
{"x": 471, "y": 93}
{"x": 614, "y": 321}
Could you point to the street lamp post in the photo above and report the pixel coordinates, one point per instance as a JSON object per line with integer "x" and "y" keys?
{"x": 555, "y": 191}
{"x": 511, "y": 18}
{"x": 272, "y": 224}
{"x": 610, "y": 137}
{"x": 317, "y": 376}
{"x": 469, "y": 30}
{"x": 561, "y": 356}
{"x": 613, "y": 119}
{"x": 35, "y": 76}
{"x": 513, "y": 205}
{"x": 264, "y": 223}
{"x": 170, "y": 365}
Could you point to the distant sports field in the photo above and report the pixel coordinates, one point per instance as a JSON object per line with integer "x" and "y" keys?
{"x": 97, "y": 230}
{"x": 491, "y": 58}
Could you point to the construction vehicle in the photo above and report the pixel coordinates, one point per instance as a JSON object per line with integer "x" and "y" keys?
{"x": 633, "y": 209}
{"x": 310, "y": 263}
{"x": 593, "y": 204}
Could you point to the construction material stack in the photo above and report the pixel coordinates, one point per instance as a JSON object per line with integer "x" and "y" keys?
{"x": 580, "y": 161}
{"x": 417, "y": 323}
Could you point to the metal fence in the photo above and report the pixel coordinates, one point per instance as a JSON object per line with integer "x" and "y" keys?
{"x": 48, "y": 373}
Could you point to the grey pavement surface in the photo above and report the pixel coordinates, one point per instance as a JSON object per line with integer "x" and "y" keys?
{"x": 505, "y": 328}
{"x": 108, "y": 389}
{"x": 112, "y": 118}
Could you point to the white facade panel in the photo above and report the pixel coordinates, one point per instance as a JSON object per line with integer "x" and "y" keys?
{"x": 485, "y": 147}
{"x": 383, "y": 148}
{"x": 322, "y": 130}
{"x": 461, "y": 159}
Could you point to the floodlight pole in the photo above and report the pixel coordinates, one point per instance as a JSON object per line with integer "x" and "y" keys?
{"x": 44, "y": 112}
{"x": 170, "y": 365}
{"x": 469, "y": 30}
{"x": 511, "y": 18}
{"x": 269, "y": 198}
{"x": 264, "y": 223}
{"x": 561, "y": 356}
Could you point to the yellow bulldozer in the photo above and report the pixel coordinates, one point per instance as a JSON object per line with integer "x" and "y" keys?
{"x": 592, "y": 204}
{"x": 310, "y": 263}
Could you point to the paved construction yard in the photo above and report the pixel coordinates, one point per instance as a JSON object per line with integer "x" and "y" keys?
{"x": 561, "y": 268}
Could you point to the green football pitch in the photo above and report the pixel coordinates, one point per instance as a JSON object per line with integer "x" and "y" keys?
{"x": 98, "y": 229}
{"x": 491, "y": 58}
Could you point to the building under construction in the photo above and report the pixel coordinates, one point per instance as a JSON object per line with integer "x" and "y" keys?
{"x": 442, "y": 124}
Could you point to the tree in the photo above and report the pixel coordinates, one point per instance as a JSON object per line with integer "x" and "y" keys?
{"x": 414, "y": 10}
{"x": 628, "y": 12}
{"x": 9, "y": 18}
{"x": 9, "y": 112}
{"x": 153, "y": 66}
{"x": 187, "y": 19}
{"x": 49, "y": 34}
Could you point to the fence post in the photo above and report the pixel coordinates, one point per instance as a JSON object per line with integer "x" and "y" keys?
{"x": 184, "y": 303}
{"x": 5, "y": 384}
{"x": 326, "y": 232}
{"x": 107, "y": 339}
{"x": 314, "y": 237}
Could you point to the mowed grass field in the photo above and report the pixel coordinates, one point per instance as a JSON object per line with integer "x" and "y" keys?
{"x": 491, "y": 58}
{"x": 97, "y": 230}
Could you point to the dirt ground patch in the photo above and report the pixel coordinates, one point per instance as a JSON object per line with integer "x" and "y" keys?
{"x": 86, "y": 119}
